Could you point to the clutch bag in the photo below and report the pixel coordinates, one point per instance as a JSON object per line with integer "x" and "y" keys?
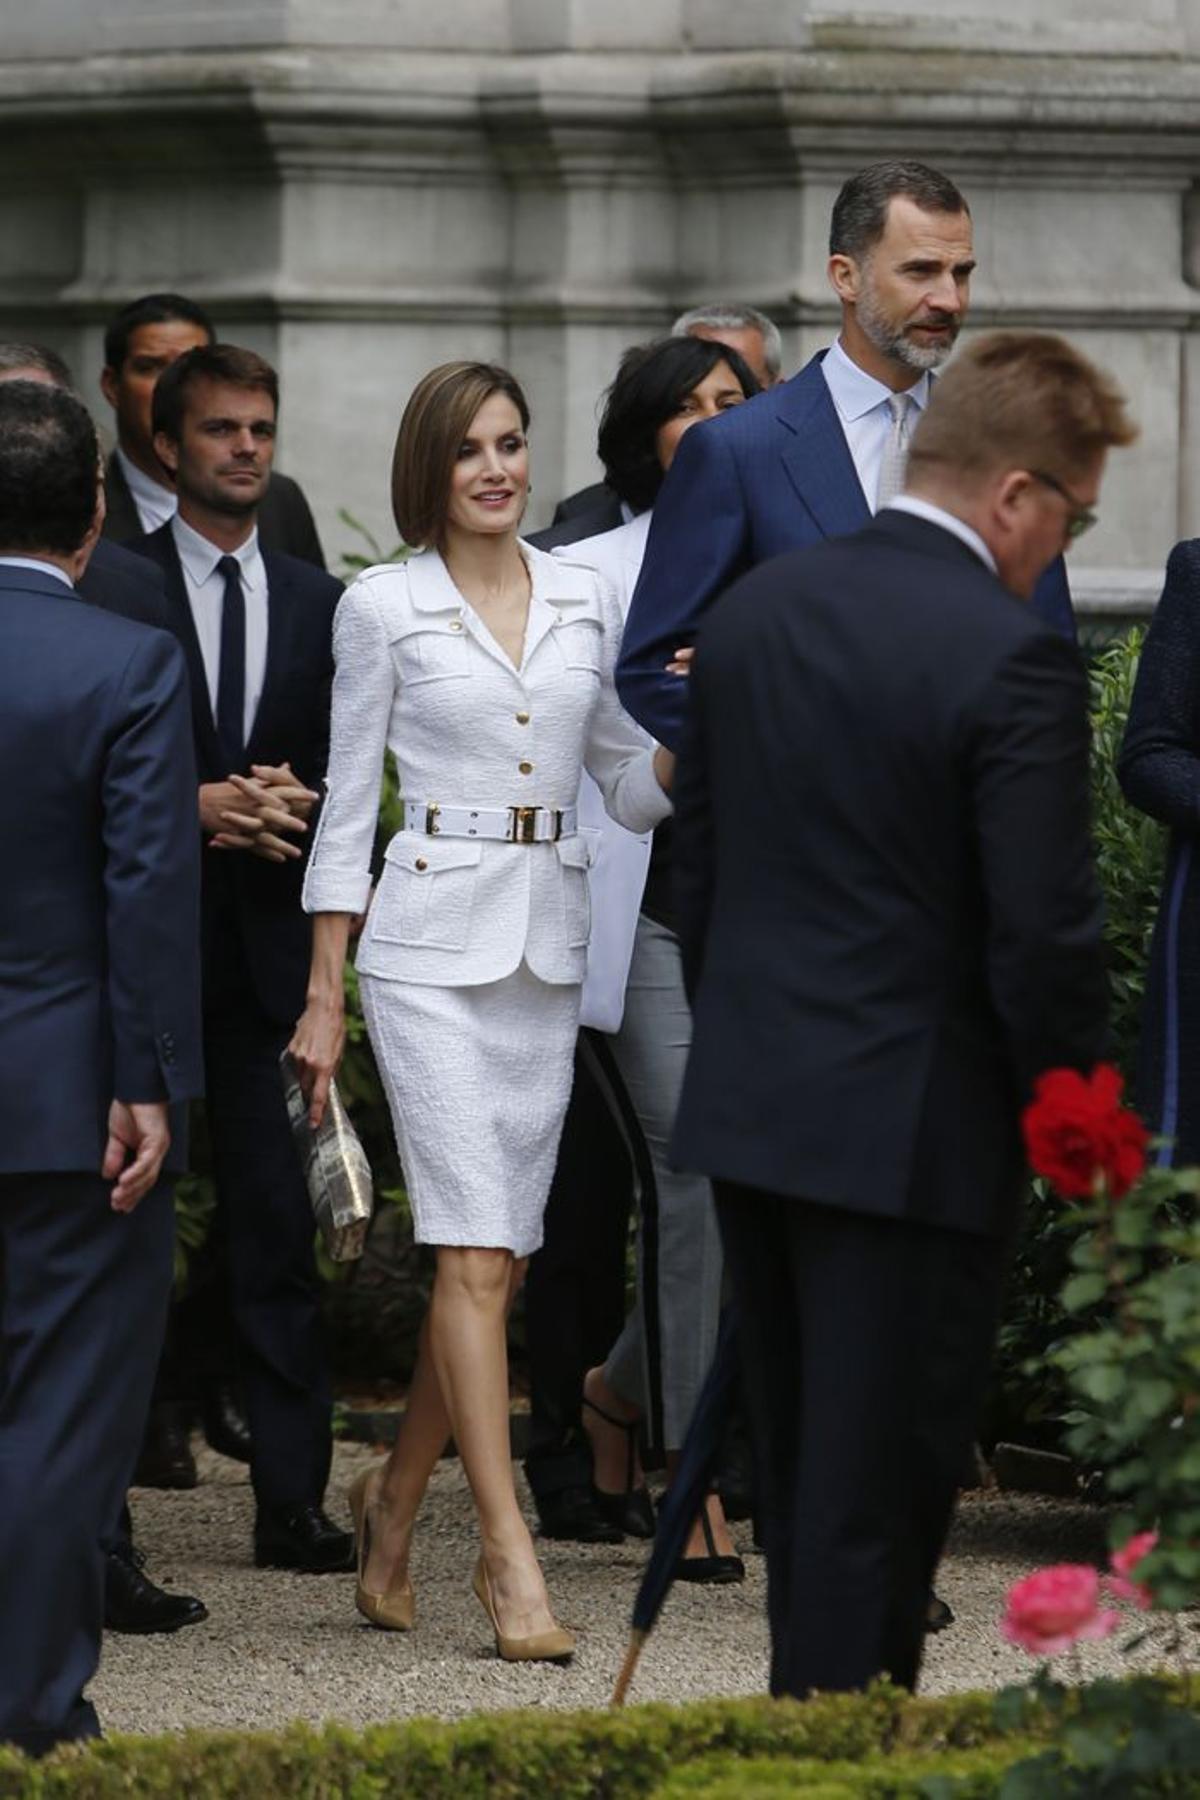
{"x": 335, "y": 1166}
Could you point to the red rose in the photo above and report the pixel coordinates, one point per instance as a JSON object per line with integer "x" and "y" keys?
{"x": 1076, "y": 1130}
{"x": 1055, "y": 1608}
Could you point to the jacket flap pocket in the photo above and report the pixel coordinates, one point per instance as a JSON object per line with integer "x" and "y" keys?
{"x": 428, "y": 855}
{"x": 432, "y": 650}
{"x": 578, "y": 852}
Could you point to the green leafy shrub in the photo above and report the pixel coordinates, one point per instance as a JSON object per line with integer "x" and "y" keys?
{"x": 951, "y": 1775}
{"x": 882, "y": 1744}
{"x": 509, "y": 1756}
{"x": 1029, "y": 1394}
{"x": 1131, "y": 1365}
{"x": 1130, "y": 847}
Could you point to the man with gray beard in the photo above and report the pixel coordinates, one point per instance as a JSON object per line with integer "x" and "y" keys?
{"x": 815, "y": 456}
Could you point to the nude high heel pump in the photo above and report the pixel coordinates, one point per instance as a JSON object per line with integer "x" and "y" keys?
{"x": 396, "y": 1609}
{"x": 556, "y": 1646}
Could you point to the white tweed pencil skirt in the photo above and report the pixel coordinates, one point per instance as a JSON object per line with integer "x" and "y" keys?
{"x": 477, "y": 1080}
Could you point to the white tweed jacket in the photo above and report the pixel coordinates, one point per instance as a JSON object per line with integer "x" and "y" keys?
{"x": 418, "y": 671}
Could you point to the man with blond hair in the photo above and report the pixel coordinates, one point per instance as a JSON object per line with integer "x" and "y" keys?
{"x": 890, "y": 925}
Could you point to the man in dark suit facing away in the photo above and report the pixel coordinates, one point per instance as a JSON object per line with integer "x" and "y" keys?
{"x": 814, "y": 457}
{"x": 256, "y": 630}
{"x": 141, "y": 341}
{"x": 99, "y": 1032}
{"x": 119, "y": 582}
{"x": 890, "y": 925}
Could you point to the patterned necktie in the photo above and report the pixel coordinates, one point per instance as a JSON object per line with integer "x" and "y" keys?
{"x": 231, "y": 672}
{"x": 895, "y": 450}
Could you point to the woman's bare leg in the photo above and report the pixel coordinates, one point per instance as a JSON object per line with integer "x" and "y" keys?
{"x": 467, "y": 1340}
{"x": 460, "y": 1387}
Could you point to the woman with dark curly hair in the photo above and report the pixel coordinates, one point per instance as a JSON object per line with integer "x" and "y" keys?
{"x": 634, "y": 990}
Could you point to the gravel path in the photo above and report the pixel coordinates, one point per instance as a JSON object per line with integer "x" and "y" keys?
{"x": 280, "y": 1646}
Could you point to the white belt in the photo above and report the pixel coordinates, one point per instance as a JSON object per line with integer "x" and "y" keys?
{"x": 507, "y": 824}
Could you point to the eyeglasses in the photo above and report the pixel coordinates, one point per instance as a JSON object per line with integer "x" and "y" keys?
{"x": 1080, "y": 518}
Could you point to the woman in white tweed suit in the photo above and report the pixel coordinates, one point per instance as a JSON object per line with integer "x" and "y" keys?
{"x": 486, "y": 666}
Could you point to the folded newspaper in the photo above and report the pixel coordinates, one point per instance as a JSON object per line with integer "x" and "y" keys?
{"x": 335, "y": 1168}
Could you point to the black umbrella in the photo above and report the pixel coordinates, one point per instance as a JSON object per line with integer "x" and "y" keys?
{"x": 686, "y": 1495}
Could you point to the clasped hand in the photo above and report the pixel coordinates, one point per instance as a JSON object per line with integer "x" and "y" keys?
{"x": 253, "y": 812}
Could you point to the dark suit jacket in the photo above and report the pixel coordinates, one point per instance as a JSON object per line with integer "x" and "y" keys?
{"x": 889, "y": 916}
{"x": 582, "y": 515}
{"x": 251, "y": 908}
{"x": 285, "y": 521}
{"x": 120, "y": 582}
{"x": 1159, "y": 771}
{"x": 123, "y": 583}
{"x": 772, "y": 475}
{"x": 99, "y": 929}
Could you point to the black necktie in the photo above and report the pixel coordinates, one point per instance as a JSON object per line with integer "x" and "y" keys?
{"x": 231, "y": 672}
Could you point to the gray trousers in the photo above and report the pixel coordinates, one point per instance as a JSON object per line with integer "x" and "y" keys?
{"x": 662, "y": 1355}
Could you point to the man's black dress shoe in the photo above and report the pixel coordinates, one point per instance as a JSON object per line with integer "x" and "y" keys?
{"x": 301, "y": 1537}
{"x": 133, "y": 1603}
{"x": 572, "y": 1514}
{"x": 937, "y": 1614}
{"x": 223, "y": 1422}
{"x": 165, "y": 1459}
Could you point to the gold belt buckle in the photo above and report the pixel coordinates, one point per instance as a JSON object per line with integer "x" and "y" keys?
{"x": 431, "y": 820}
{"x": 524, "y": 824}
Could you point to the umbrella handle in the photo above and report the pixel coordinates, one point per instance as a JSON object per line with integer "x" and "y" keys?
{"x": 636, "y": 1640}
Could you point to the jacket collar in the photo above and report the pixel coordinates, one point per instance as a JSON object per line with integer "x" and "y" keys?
{"x": 556, "y": 588}
{"x": 554, "y": 583}
{"x": 22, "y": 578}
{"x": 160, "y": 545}
{"x": 816, "y": 455}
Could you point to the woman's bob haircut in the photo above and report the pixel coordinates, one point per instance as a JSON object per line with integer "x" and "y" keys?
{"x": 435, "y": 422}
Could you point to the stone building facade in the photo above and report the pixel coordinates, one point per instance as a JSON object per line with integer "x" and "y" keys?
{"x": 361, "y": 188}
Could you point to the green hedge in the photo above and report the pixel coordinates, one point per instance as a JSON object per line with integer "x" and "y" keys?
{"x": 882, "y": 1743}
{"x": 952, "y": 1774}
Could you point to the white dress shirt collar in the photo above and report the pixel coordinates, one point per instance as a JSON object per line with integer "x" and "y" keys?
{"x": 937, "y": 515}
{"x": 155, "y": 503}
{"x": 42, "y": 568}
{"x": 855, "y": 392}
{"x": 200, "y": 556}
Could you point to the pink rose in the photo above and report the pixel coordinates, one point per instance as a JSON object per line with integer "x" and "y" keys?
{"x": 1055, "y": 1608}
{"x": 1124, "y": 1563}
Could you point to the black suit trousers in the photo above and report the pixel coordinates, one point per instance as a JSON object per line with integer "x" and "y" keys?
{"x": 267, "y": 1224}
{"x": 575, "y": 1289}
{"x": 83, "y": 1301}
{"x": 865, "y": 1344}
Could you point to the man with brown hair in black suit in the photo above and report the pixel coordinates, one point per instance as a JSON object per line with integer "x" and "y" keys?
{"x": 142, "y": 340}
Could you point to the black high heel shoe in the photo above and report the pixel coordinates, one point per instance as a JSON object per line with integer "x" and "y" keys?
{"x": 633, "y": 1510}
{"x": 714, "y": 1568}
